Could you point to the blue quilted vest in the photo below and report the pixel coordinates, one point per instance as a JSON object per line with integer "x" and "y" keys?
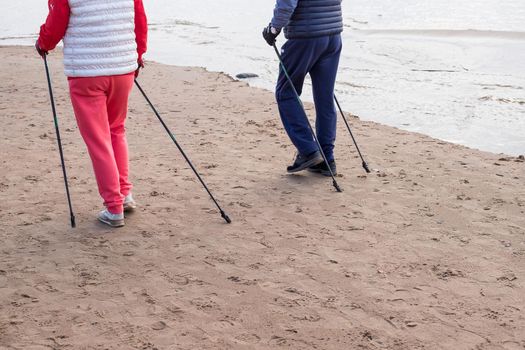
{"x": 315, "y": 18}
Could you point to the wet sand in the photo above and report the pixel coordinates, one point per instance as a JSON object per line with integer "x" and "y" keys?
{"x": 426, "y": 253}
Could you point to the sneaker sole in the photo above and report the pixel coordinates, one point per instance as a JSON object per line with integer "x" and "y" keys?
{"x": 306, "y": 165}
{"x": 128, "y": 208}
{"x": 114, "y": 224}
{"x": 322, "y": 172}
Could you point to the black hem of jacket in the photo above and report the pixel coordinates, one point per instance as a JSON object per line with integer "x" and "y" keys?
{"x": 312, "y": 35}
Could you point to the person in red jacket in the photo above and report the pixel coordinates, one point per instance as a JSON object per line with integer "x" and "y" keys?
{"x": 104, "y": 42}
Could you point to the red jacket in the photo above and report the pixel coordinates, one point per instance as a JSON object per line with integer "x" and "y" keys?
{"x": 57, "y": 22}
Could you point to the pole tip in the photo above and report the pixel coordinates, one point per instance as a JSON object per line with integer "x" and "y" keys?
{"x": 336, "y": 185}
{"x": 73, "y": 222}
{"x": 367, "y": 169}
{"x": 226, "y": 217}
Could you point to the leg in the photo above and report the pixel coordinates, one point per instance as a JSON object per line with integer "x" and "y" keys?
{"x": 298, "y": 57}
{"x": 88, "y": 96}
{"x": 323, "y": 75}
{"x": 117, "y": 107}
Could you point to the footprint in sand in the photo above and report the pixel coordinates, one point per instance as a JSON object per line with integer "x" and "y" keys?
{"x": 204, "y": 304}
{"x": 446, "y": 273}
{"x": 180, "y": 280}
{"x": 45, "y": 287}
{"x": 32, "y": 178}
{"x": 87, "y": 277}
{"x": 3, "y": 186}
{"x": 248, "y": 338}
{"x": 307, "y": 316}
{"x": 174, "y": 309}
{"x": 285, "y": 302}
{"x": 278, "y": 341}
{"x": 24, "y": 299}
{"x": 158, "y": 326}
{"x": 242, "y": 281}
{"x": 508, "y": 277}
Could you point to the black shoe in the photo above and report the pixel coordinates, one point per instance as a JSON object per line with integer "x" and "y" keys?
{"x": 323, "y": 169}
{"x": 302, "y": 162}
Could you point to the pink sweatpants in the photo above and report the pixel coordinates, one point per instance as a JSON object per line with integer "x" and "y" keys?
{"x": 101, "y": 106}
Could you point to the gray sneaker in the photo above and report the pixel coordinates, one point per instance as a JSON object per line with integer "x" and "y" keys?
{"x": 113, "y": 220}
{"x": 129, "y": 204}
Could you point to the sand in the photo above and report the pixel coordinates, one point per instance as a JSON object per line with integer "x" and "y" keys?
{"x": 426, "y": 253}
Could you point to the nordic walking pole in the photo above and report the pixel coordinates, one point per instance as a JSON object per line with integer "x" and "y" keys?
{"x": 59, "y": 141}
{"x": 223, "y": 214}
{"x": 336, "y": 185}
{"x": 364, "y": 164}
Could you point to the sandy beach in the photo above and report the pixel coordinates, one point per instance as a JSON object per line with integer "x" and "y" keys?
{"x": 427, "y": 252}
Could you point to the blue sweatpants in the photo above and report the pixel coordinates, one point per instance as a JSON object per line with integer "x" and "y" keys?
{"x": 318, "y": 57}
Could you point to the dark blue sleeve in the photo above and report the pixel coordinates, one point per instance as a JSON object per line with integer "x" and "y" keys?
{"x": 284, "y": 10}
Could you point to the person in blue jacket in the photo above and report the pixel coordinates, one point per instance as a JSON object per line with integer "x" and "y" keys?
{"x": 313, "y": 29}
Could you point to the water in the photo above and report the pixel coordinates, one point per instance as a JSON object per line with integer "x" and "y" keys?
{"x": 452, "y": 69}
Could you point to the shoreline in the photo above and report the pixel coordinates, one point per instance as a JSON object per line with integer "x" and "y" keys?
{"x": 487, "y": 94}
{"x": 448, "y": 33}
{"x": 425, "y": 253}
